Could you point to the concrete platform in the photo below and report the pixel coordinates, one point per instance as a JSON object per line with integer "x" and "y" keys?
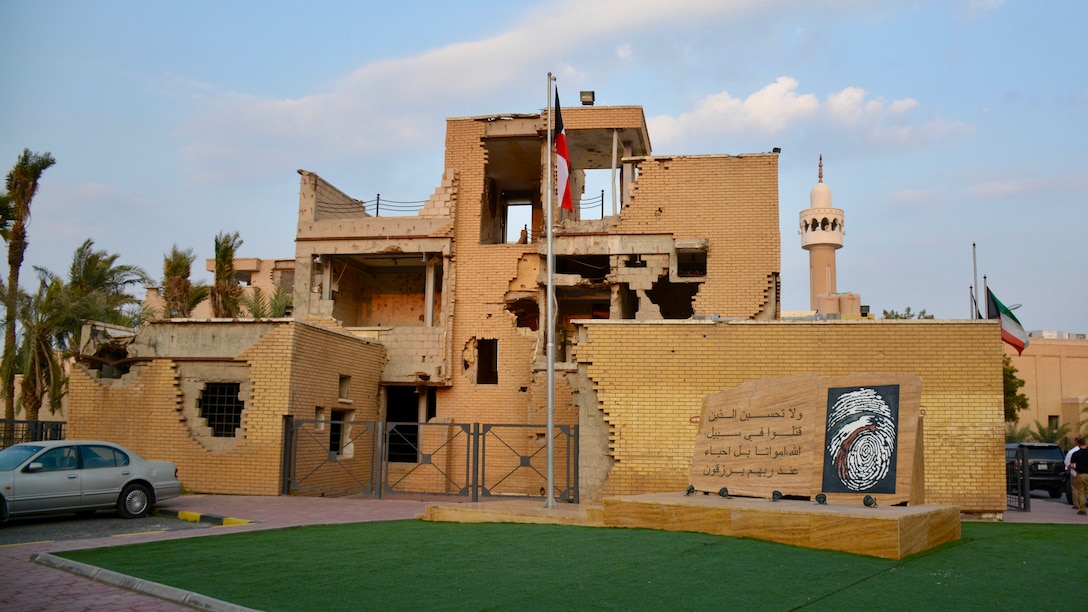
{"x": 516, "y": 511}
{"x": 891, "y": 532}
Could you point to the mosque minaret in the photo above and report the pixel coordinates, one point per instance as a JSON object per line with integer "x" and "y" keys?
{"x": 821, "y": 235}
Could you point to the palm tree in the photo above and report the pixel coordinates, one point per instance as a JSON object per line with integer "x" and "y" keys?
{"x": 1016, "y": 434}
{"x": 1047, "y": 433}
{"x": 256, "y": 303}
{"x": 22, "y": 184}
{"x": 261, "y": 306}
{"x": 280, "y": 302}
{"x": 96, "y": 291}
{"x": 40, "y": 316}
{"x": 225, "y": 292}
{"x": 179, "y": 293}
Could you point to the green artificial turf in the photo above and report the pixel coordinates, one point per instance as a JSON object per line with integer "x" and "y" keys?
{"x": 418, "y": 565}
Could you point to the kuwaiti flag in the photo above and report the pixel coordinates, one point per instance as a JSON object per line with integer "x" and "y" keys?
{"x": 562, "y": 162}
{"x": 1011, "y": 330}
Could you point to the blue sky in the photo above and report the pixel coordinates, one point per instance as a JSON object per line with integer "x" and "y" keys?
{"x": 942, "y": 123}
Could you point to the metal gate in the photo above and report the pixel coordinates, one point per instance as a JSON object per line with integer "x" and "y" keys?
{"x": 1017, "y": 487}
{"x": 341, "y": 458}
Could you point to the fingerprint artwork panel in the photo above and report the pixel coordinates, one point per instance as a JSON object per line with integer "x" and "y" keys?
{"x": 860, "y": 439}
{"x": 799, "y": 435}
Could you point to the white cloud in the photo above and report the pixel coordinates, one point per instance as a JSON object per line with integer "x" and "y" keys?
{"x": 1028, "y": 186}
{"x": 911, "y": 196}
{"x": 779, "y": 107}
{"x": 984, "y": 5}
{"x": 769, "y": 110}
{"x": 400, "y": 103}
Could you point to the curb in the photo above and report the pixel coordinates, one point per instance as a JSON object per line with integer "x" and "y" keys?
{"x": 144, "y": 587}
{"x": 196, "y": 517}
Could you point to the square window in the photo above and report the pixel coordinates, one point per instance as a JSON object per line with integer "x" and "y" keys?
{"x": 221, "y": 408}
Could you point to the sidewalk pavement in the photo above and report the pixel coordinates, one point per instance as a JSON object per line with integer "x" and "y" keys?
{"x": 34, "y": 586}
{"x": 1047, "y": 510}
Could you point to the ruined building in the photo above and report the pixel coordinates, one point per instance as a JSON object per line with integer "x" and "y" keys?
{"x": 437, "y": 319}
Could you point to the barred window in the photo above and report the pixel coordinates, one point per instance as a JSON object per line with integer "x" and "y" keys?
{"x": 221, "y": 408}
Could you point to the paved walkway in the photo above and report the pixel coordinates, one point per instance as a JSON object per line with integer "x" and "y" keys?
{"x": 26, "y": 586}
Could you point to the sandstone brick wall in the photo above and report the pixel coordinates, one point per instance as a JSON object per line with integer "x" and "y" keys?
{"x": 730, "y": 200}
{"x": 293, "y": 369}
{"x": 650, "y": 379}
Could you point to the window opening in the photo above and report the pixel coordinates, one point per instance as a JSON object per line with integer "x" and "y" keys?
{"x": 221, "y": 408}
{"x": 519, "y": 222}
{"x": 590, "y": 267}
{"x": 432, "y": 404}
{"x": 402, "y": 415}
{"x": 596, "y": 197}
{"x": 345, "y": 388}
{"x": 690, "y": 263}
{"x": 511, "y": 199}
{"x": 487, "y": 361}
{"x": 340, "y": 433}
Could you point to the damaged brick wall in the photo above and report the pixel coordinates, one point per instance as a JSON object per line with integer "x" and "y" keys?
{"x": 650, "y": 380}
{"x": 730, "y": 200}
{"x": 293, "y": 369}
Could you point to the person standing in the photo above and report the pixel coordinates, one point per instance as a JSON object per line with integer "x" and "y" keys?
{"x": 1079, "y": 462}
{"x": 1069, "y": 455}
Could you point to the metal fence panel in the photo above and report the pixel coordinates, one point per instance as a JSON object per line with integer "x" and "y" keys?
{"x": 17, "y": 432}
{"x": 431, "y": 458}
{"x": 1017, "y": 485}
{"x": 331, "y": 457}
{"x": 515, "y": 457}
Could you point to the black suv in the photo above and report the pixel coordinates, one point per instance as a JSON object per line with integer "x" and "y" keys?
{"x": 1046, "y": 465}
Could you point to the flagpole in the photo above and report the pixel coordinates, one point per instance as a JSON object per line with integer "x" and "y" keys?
{"x": 549, "y": 498}
{"x": 974, "y": 289}
{"x": 987, "y": 288}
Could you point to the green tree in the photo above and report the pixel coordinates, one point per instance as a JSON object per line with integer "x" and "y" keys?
{"x": 1016, "y": 434}
{"x": 255, "y": 303}
{"x": 280, "y": 302}
{"x": 22, "y": 185}
{"x": 225, "y": 294}
{"x": 260, "y": 306}
{"x": 179, "y": 293}
{"x": 906, "y": 314}
{"x": 1014, "y": 400}
{"x": 40, "y": 315}
{"x": 97, "y": 290}
{"x": 1049, "y": 434}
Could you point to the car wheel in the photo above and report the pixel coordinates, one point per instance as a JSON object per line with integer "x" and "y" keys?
{"x": 1055, "y": 493}
{"x": 3, "y": 509}
{"x": 135, "y": 501}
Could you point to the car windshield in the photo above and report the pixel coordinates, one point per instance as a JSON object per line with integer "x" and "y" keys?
{"x": 14, "y": 456}
{"x": 1045, "y": 453}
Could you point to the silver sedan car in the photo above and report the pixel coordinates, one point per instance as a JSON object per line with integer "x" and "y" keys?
{"x": 61, "y": 476}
